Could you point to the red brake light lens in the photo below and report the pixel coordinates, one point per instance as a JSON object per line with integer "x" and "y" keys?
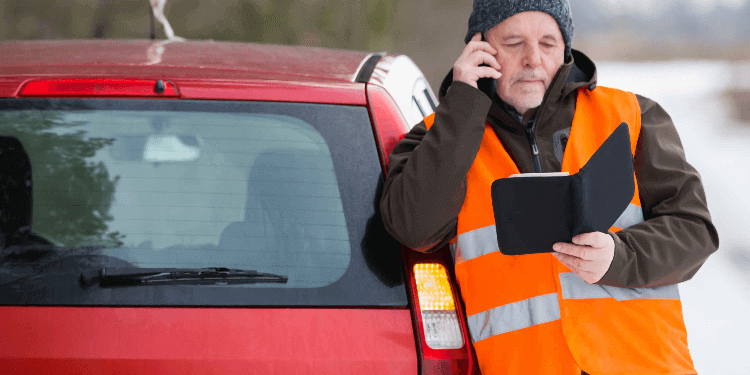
{"x": 99, "y": 87}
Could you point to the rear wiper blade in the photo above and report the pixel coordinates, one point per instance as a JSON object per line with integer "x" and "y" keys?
{"x": 159, "y": 276}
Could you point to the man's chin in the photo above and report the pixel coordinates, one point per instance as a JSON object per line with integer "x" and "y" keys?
{"x": 526, "y": 102}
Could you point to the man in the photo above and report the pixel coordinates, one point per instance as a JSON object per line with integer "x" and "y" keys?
{"x": 521, "y": 100}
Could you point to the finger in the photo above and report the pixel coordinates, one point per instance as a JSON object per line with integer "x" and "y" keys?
{"x": 571, "y": 261}
{"x": 593, "y": 239}
{"x": 567, "y": 261}
{"x": 484, "y": 46}
{"x": 577, "y": 266}
{"x": 477, "y": 37}
{"x": 478, "y": 46}
{"x": 583, "y": 252}
{"x": 481, "y": 57}
{"x": 487, "y": 72}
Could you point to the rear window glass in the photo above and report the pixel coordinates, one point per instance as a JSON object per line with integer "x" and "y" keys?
{"x": 279, "y": 188}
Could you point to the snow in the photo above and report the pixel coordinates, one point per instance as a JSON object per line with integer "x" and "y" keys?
{"x": 715, "y": 302}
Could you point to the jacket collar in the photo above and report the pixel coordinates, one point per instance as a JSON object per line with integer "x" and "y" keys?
{"x": 579, "y": 71}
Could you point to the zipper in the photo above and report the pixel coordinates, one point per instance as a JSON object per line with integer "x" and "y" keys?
{"x": 529, "y": 127}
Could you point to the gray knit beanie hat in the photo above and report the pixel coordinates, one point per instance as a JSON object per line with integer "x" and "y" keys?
{"x": 488, "y": 13}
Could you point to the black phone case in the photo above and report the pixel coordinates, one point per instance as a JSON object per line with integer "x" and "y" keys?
{"x": 486, "y": 85}
{"x": 533, "y": 213}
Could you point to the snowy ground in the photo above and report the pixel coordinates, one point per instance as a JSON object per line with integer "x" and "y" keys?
{"x": 716, "y": 302}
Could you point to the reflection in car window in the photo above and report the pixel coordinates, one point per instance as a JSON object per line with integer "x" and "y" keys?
{"x": 188, "y": 189}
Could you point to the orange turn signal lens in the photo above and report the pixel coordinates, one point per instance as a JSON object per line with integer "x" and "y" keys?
{"x": 433, "y": 288}
{"x": 438, "y": 310}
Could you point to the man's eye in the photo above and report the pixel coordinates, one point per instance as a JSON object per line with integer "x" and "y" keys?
{"x": 513, "y": 45}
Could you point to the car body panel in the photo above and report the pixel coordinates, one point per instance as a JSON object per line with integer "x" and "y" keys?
{"x": 224, "y": 59}
{"x": 74, "y": 340}
{"x": 201, "y": 70}
{"x": 273, "y": 339}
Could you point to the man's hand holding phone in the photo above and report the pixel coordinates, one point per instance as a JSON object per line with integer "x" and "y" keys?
{"x": 476, "y": 61}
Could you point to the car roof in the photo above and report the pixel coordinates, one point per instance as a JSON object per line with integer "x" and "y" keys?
{"x": 200, "y": 69}
{"x": 189, "y": 59}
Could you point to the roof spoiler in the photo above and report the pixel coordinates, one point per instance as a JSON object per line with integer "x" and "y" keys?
{"x": 367, "y": 67}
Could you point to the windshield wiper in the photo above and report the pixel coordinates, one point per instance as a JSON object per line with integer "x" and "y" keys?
{"x": 158, "y": 276}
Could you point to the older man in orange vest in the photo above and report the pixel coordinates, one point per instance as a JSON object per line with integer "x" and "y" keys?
{"x": 520, "y": 100}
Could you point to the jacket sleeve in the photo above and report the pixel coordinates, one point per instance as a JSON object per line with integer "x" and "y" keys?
{"x": 677, "y": 235}
{"x": 426, "y": 180}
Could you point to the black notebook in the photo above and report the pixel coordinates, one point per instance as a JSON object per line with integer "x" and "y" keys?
{"x": 534, "y": 212}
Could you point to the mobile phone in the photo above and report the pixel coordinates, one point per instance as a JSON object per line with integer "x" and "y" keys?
{"x": 486, "y": 85}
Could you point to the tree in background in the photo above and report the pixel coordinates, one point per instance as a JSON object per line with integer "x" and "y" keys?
{"x": 72, "y": 195}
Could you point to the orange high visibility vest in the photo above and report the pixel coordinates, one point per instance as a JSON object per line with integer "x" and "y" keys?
{"x": 530, "y": 314}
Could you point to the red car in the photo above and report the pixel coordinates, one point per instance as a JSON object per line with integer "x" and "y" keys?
{"x": 204, "y": 207}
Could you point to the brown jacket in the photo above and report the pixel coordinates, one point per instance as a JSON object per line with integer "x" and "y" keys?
{"x": 426, "y": 179}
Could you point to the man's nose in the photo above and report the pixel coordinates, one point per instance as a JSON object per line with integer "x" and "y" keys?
{"x": 533, "y": 56}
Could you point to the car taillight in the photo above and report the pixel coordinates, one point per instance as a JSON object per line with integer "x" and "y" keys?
{"x": 438, "y": 314}
{"x": 75, "y": 87}
{"x": 438, "y": 310}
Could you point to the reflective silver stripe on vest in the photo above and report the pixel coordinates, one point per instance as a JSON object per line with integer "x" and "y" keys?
{"x": 475, "y": 243}
{"x": 483, "y": 241}
{"x": 573, "y": 287}
{"x": 631, "y": 216}
{"x": 514, "y": 316}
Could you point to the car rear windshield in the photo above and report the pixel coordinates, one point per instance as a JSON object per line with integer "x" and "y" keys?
{"x": 285, "y": 189}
